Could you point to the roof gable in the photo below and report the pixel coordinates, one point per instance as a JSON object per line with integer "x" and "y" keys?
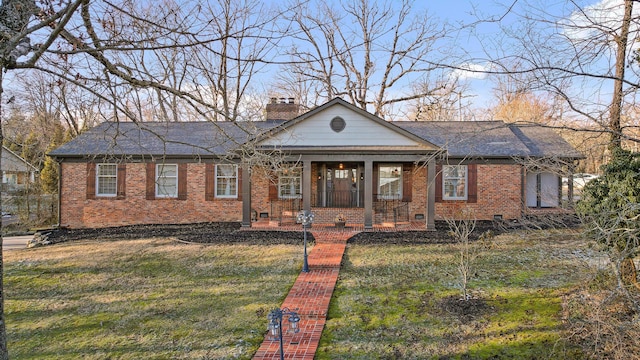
{"x": 320, "y": 128}
{"x": 14, "y": 162}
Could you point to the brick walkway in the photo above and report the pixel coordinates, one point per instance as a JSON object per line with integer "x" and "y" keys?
{"x": 310, "y": 295}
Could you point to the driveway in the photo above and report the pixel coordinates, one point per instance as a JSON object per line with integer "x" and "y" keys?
{"x": 15, "y": 242}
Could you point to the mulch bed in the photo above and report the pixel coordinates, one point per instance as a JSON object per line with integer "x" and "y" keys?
{"x": 465, "y": 310}
{"x": 230, "y": 233}
{"x": 439, "y": 236}
{"x": 205, "y": 233}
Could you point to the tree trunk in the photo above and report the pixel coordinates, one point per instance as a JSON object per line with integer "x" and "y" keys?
{"x": 4, "y": 353}
{"x": 621, "y": 57}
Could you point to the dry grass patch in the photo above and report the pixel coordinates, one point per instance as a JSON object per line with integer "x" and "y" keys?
{"x": 152, "y": 299}
{"x": 398, "y": 302}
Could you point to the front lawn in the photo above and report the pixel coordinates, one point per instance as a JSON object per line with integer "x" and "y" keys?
{"x": 144, "y": 299}
{"x": 160, "y": 299}
{"x": 402, "y": 301}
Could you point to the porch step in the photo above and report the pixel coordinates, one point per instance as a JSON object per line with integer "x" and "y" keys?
{"x": 328, "y": 215}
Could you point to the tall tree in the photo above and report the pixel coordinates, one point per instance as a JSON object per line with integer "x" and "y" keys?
{"x": 113, "y": 49}
{"x": 575, "y": 54}
{"x": 365, "y": 51}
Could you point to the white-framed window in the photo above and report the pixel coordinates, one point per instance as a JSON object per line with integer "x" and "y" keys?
{"x": 454, "y": 182}
{"x": 390, "y": 181}
{"x": 226, "y": 181}
{"x": 106, "y": 180}
{"x": 167, "y": 180}
{"x": 290, "y": 183}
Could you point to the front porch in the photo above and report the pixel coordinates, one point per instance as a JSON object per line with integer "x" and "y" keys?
{"x": 367, "y": 193}
{"x": 386, "y": 213}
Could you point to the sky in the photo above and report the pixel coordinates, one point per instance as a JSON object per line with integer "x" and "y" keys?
{"x": 510, "y": 13}
{"x": 466, "y": 12}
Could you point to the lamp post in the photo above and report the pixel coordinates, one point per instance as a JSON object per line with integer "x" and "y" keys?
{"x": 275, "y": 318}
{"x": 306, "y": 218}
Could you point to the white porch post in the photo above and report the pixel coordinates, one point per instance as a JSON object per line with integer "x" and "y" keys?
{"x": 306, "y": 185}
{"x": 431, "y": 195}
{"x": 368, "y": 194}
{"x": 246, "y": 195}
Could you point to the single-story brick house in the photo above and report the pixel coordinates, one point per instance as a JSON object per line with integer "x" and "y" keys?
{"x": 334, "y": 159}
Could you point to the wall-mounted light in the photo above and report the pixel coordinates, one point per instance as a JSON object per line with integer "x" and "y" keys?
{"x": 341, "y": 166}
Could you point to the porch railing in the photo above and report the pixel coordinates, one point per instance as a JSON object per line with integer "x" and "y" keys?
{"x": 285, "y": 210}
{"x": 338, "y": 199}
{"x": 386, "y": 209}
{"x": 401, "y": 213}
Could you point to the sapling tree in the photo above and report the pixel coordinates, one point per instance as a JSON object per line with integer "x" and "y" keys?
{"x": 461, "y": 231}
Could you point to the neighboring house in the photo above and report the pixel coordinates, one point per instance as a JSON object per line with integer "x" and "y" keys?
{"x": 17, "y": 173}
{"x": 334, "y": 159}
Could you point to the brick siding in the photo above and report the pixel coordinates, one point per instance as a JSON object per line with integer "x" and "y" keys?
{"x": 78, "y": 211}
{"x": 499, "y": 193}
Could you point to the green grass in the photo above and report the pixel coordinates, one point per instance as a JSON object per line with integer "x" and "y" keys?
{"x": 387, "y": 304}
{"x": 158, "y": 299}
{"x": 151, "y": 299}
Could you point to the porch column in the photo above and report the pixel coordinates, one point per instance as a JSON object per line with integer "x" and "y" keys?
{"x": 306, "y": 185}
{"x": 431, "y": 195}
{"x": 246, "y": 195}
{"x": 368, "y": 194}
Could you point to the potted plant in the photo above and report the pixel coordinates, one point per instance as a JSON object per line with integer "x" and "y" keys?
{"x": 340, "y": 220}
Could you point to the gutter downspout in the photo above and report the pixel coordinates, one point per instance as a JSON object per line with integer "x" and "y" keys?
{"x": 59, "y": 225}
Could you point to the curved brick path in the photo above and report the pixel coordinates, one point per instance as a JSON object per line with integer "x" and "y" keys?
{"x": 310, "y": 295}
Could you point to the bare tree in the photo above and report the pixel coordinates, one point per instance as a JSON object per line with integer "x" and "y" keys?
{"x": 131, "y": 55}
{"x": 572, "y": 54}
{"x": 441, "y": 100}
{"x": 364, "y": 51}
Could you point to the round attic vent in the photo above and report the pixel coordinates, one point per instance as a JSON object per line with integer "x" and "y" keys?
{"x": 337, "y": 124}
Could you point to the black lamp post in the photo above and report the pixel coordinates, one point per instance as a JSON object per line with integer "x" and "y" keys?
{"x": 275, "y": 318}
{"x": 305, "y": 217}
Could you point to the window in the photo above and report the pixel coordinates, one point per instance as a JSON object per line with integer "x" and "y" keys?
{"x": 390, "y": 181}
{"x": 226, "y": 181}
{"x": 107, "y": 180}
{"x": 290, "y": 183}
{"x": 167, "y": 180}
{"x": 454, "y": 182}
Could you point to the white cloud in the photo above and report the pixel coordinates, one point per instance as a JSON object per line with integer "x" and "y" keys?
{"x": 596, "y": 21}
{"x": 470, "y": 71}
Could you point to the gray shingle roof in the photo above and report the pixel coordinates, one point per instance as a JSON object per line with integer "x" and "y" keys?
{"x": 489, "y": 139}
{"x": 162, "y": 139}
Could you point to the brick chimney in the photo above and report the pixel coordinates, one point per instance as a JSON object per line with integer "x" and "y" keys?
{"x": 282, "y": 109}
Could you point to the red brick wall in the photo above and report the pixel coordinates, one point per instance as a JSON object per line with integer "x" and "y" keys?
{"x": 260, "y": 182}
{"x": 418, "y": 203}
{"x": 77, "y": 211}
{"x": 499, "y": 193}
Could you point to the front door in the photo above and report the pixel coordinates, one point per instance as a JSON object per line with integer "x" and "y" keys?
{"x": 342, "y": 187}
